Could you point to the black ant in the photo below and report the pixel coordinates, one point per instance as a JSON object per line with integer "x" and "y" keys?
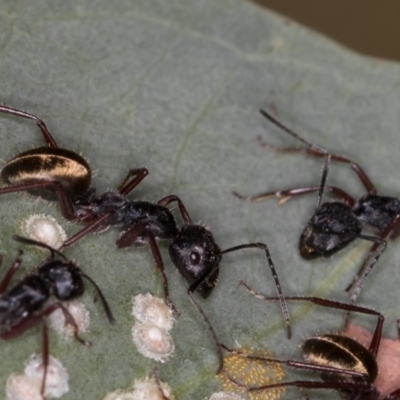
{"x": 336, "y": 224}
{"x": 192, "y": 250}
{"x": 345, "y": 365}
{"x": 51, "y": 172}
{"x": 27, "y": 303}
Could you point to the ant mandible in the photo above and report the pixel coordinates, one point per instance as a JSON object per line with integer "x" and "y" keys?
{"x": 192, "y": 250}
{"x": 26, "y": 304}
{"x": 51, "y": 172}
{"x": 336, "y": 224}
{"x": 345, "y": 365}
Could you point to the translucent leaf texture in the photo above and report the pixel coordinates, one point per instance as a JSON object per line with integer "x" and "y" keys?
{"x": 176, "y": 86}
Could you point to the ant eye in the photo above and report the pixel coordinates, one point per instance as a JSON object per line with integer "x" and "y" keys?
{"x": 195, "y": 257}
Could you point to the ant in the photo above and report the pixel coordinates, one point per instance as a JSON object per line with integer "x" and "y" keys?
{"x": 51, "y": 172}
{"x": 192, "y": 249}
{"x": 345, "y": 365}
{"x": 27, "y": 303}
{"x": 336, "y": 224}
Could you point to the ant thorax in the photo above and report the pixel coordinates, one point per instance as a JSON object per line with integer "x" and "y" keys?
{"x": 377, "y": 211}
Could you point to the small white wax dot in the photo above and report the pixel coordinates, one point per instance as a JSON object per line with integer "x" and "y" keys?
{"x": 225, "y": 396}
{"x": 152, "y": 310}
{"x": 79, "y": 313}
{"x": 22, "y": 387}
{"x": 152, "y": 342}
{"x": 44, "y": 228}
{"x": 56, "y": 378}
{"x": 148, "y": 389}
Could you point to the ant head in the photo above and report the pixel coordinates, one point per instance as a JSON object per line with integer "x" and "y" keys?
{"x": 196, "y": 255}
{"x": 64, "y": 276}
{"x": 330, "y": 229}
{"x": 65, "y": 279}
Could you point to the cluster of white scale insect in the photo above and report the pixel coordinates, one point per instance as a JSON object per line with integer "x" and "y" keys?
{"x": 28, "y": 385}
{"x": 150, "y": 333}
{"x": 44, "y": 228}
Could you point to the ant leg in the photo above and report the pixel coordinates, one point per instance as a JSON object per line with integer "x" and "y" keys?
{"x": 126, "y": 186}
{"x": 394, "y": 224}
{"x": 106, "y": 307}
{"x": 369, "y": 186}
{"x": 66, "y": 205}
{"x": 316, "y": 151}
{"x": 354, "y": 386}
{"x": 191, "y": 290}
{"x": 26, "y": 186}
{"x": 67, "y": 208}
{"x": 128, "y": 237}
{"x": 282, "y": 300}
{"x": 83, "y": 232}
{"x": 182, "y": 209}
{"x": 10, "y": 273}
{"x": 160, "y": 267}
{"x": 294, "y": 364}
{"x": 283, "y": 195}
{"x": 375, "y": 341}
{"x": 46, "y": 133}
{"x": 286, "y": 195}
{"x": 395, "y": 227}
{"x": 30, "y": 322}
{"x": 69, "y": 320}
{"x": 45, "y": 355}
{"x": 373, "y": 256}
{"x": 374, "y": 253}
{"x": 158, "y": 382}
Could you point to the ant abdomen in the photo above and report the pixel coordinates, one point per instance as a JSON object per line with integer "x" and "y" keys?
{"x": 53, "y": 164}
{"x": 328, "y": 349}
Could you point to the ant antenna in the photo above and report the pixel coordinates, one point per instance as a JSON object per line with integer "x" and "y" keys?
{"x": 32, "y": 242}
{"x": 106, "y": 307}
{"x": 327, "y": 160}
{"x": 279, "y": 124}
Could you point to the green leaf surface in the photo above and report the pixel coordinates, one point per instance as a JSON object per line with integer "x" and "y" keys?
{"x": 176, "y": 86}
